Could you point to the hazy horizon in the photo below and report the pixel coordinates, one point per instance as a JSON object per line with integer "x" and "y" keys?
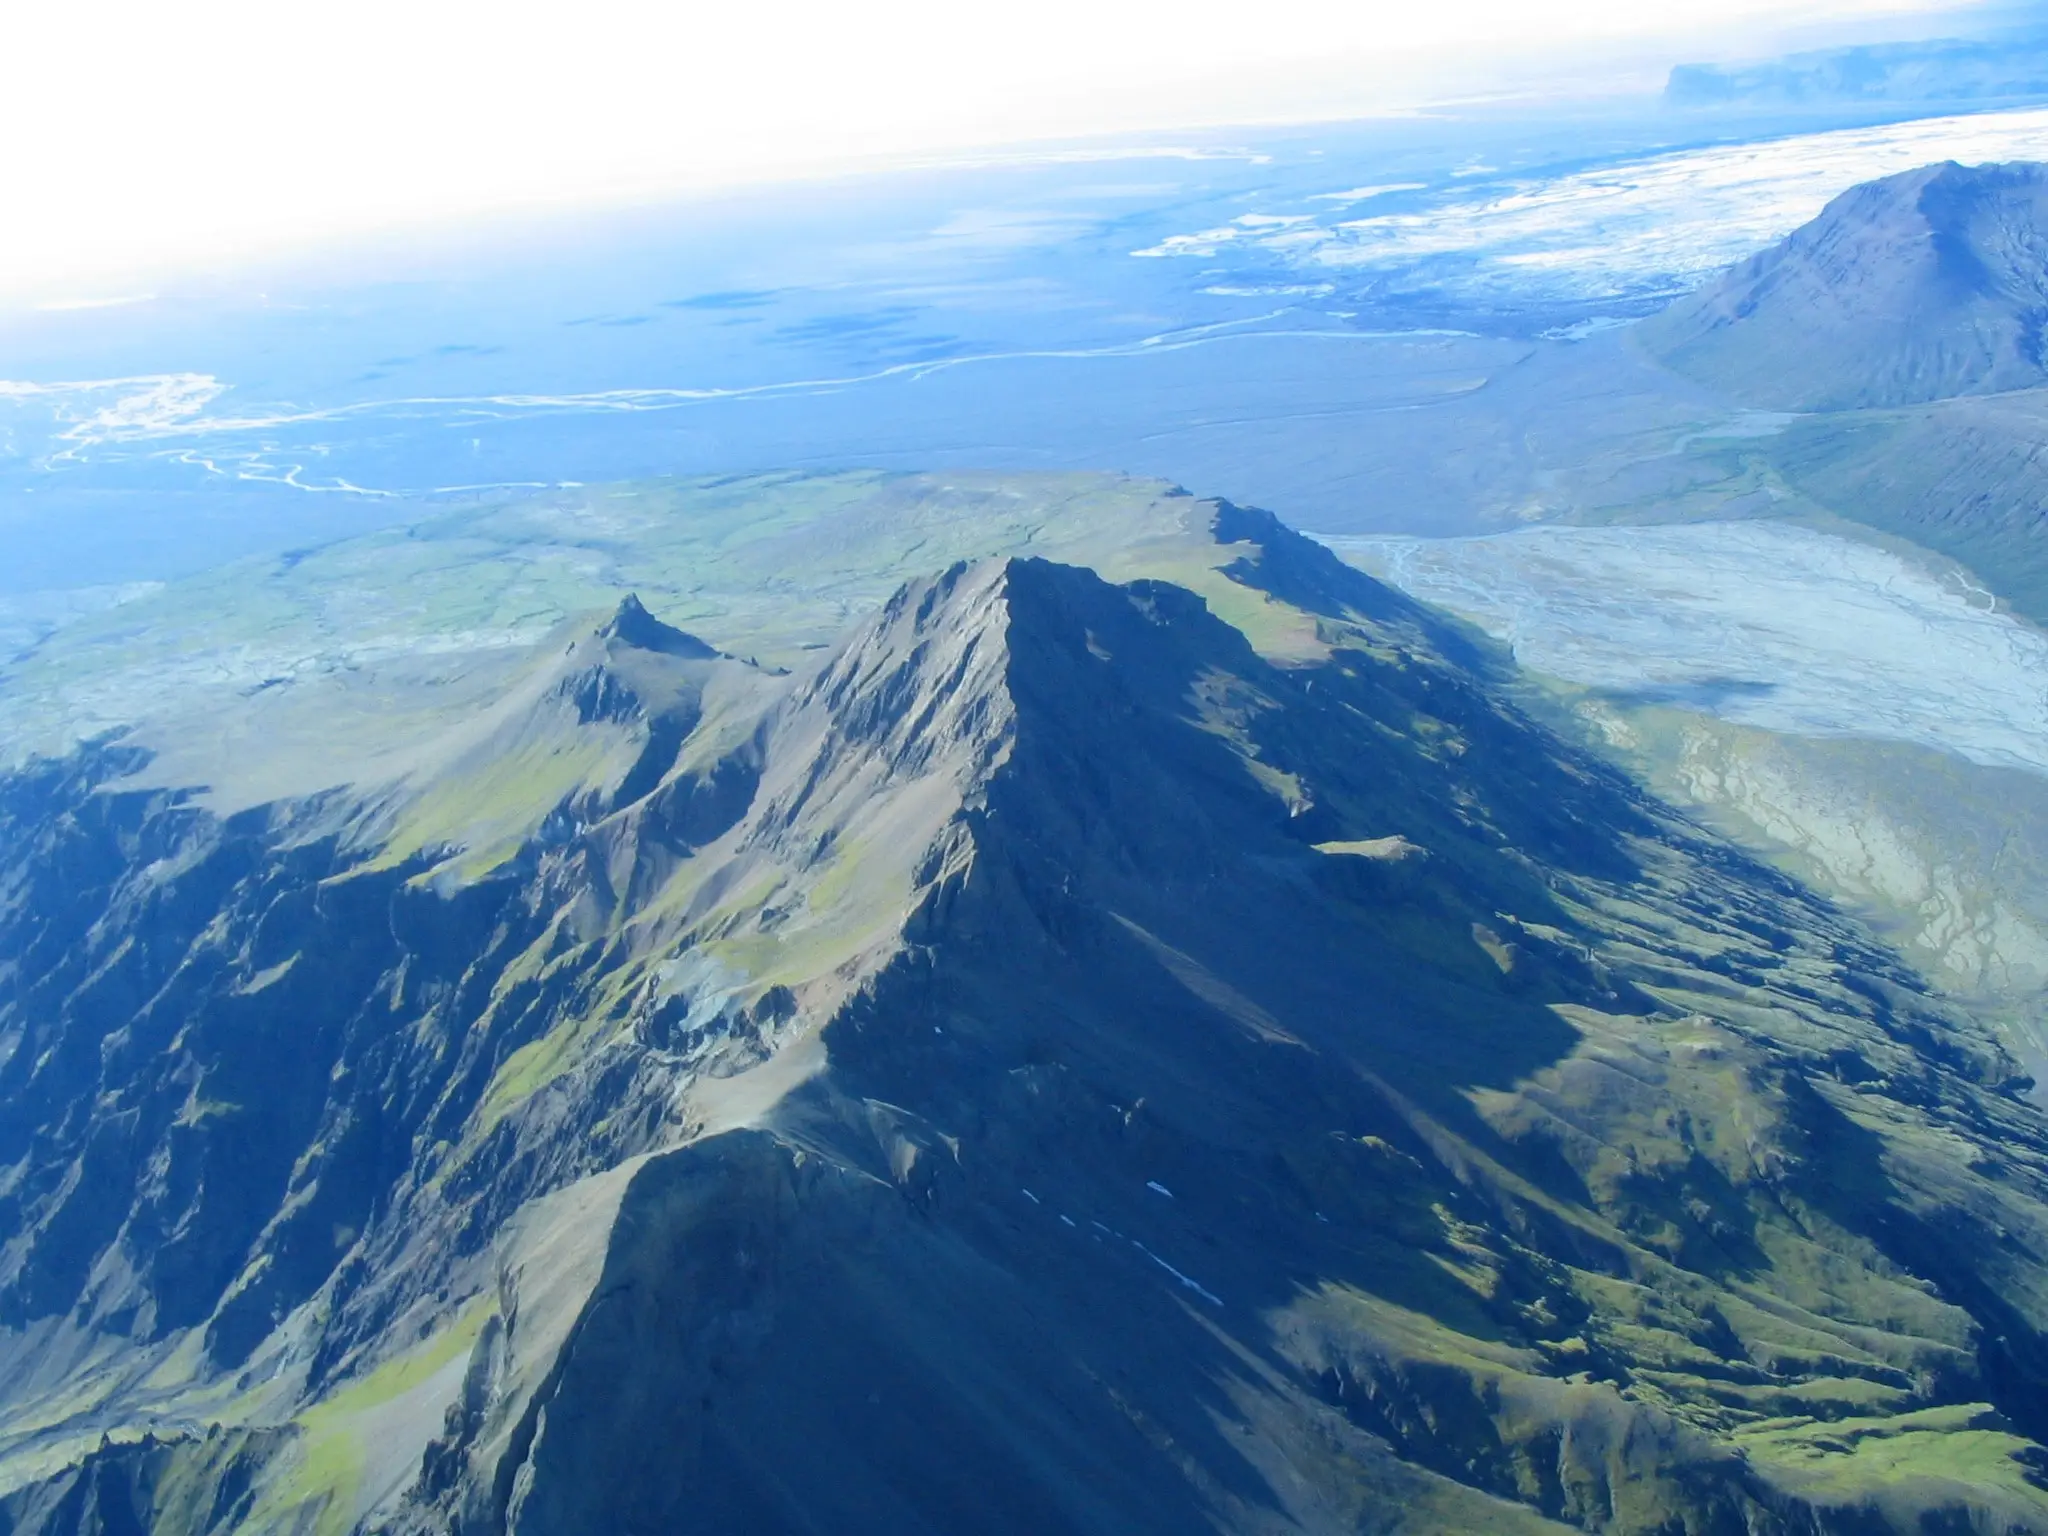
{"x": 225, "y": 133}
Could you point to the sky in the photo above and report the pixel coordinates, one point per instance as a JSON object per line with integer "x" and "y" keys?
{"x": 144, "y": 137}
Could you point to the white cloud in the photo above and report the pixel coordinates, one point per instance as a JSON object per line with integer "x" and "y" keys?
{"x": 112, "y": 301}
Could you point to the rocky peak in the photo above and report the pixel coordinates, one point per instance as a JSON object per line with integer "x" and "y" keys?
{"x": 631, "y": 624}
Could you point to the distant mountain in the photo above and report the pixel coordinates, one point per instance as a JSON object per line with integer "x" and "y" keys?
{"x": 1939, "y": 72}
{"x": 1159, "y": 1047}
{"x": 1918, "y": 287}
{"x": 1906, "y": 325}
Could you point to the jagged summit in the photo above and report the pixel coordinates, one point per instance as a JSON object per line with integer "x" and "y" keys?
{"x": 1921, "y": 286}
{"x": 598, "y": 719}
{"x": 635, "y": 626}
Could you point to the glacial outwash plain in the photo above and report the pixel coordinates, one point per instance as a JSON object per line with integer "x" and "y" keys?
{"x": 1036, "y": 999}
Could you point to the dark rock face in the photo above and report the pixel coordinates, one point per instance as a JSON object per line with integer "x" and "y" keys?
{"x": 1918, "y": 287}
{"x": 148, "y": 1485}
{"x": 132, "y": 1046}
{"x": 225, "y": 1046}
{"x": 1051, "y": 1069}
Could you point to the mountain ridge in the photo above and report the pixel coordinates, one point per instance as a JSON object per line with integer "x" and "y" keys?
{"x": 1015, "y": 975}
